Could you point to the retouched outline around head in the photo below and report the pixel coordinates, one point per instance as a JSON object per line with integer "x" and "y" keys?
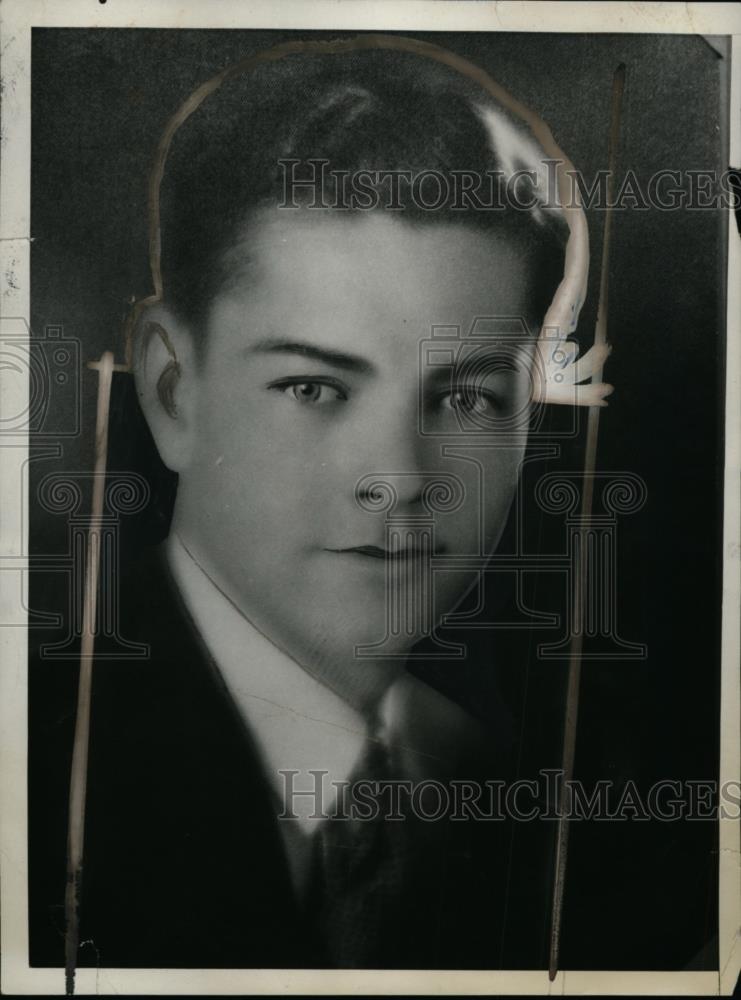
{"x": 557, "y": 369}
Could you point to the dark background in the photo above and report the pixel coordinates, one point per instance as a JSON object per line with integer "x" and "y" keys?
{"x": 639, "y": 895}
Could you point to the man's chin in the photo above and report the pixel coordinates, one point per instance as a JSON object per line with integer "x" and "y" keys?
{"x": 349, "y": 642}
{"x": 335, "y": 625}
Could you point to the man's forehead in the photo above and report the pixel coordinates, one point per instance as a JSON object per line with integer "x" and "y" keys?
{"x": 382, "y": 242}
{"x": 369, "y": 281}
{"x": 475, "y": 355}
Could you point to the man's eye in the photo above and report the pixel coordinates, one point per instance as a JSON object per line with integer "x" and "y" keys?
{"x": 470, "y": 401}
{"x": 308, "y": 392}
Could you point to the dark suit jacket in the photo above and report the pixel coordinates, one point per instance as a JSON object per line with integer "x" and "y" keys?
{"x": 184, "y": 864}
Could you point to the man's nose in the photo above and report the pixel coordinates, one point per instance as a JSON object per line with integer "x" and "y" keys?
{"x": 396, "y": 468}
{"x": 391, "y": 492}
{"x": 401, "y": 471}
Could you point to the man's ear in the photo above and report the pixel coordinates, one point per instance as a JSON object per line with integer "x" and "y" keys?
{"x": 167, "y": 384}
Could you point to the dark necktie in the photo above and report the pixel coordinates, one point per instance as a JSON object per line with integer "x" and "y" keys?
{"x": 375, "y": 896}
{"x": 360, "y": 873}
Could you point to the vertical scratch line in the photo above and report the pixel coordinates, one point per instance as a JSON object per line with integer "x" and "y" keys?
{"x": 78, "y": 775}
{"x": 571, "y": 713}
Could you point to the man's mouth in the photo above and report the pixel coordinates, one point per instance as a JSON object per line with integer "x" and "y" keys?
{"x": 375, "y": 552}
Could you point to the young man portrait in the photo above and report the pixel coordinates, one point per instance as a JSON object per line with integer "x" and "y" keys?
{"x": 364, "y": 277}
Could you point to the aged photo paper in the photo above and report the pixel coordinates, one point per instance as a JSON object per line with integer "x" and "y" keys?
{"x": 370, "y": 522}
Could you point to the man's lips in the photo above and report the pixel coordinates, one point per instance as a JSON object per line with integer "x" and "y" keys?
{"x": 374, "y": 552}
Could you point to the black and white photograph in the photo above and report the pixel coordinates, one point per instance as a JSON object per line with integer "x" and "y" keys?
{"x": 369, "y": 435}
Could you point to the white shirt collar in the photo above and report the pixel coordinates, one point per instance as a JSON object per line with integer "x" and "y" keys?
{"x": 297, "y": 723}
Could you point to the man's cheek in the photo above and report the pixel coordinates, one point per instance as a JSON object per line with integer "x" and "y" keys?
{"x": 263, "y": 508}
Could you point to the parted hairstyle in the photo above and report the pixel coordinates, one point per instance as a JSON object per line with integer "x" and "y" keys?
{"x": 376, "y": 111}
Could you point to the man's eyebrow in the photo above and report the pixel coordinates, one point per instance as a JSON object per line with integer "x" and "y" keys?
{"x": 338, "y": 359}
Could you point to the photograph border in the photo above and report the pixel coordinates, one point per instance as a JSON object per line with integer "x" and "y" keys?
{"x": 17, "y": 18}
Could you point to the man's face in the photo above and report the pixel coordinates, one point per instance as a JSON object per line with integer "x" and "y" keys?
{"x": 315, "y": 378}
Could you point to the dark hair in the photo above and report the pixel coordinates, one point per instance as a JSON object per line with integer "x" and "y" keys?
{"x": 371, "y": 110}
